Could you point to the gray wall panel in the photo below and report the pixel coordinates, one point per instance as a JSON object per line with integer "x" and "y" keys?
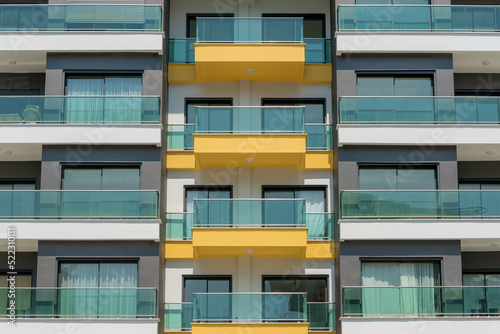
{"x": 148, "y": 157}
{"x": 489, "y": 261}
{"x": 348, "y": 64}
{"x": 444, "y": 157}
{"x": 21, "y": 170}
{"x": 149, "y": 64}
{"x": 24, "y": 261}
{"x": 352, "y": 252}
{"x": 479, "y": 170}
{"x": 50, "y": 252}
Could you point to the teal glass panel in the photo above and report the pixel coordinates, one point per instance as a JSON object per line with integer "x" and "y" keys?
{"x": 415, "y": 110}
{"x": 181, "y": 50}
{"x": 321, "y": 316}
{"x": 180, "y": 137}
{"x": 250, "y": 30}
{"x": 178, "y": 317}
{"x": 249, "y": 120}
{"x": 82, "y": 303}
{"x": 22, "y": 204}
{"x": 80, "y": 109}
{"x": 242, "y": 307}
{"x": 318, "y": 51}
{"x": 179, "y": 226}
{"x": 427, "y": 18}
{"x": 80, "y": 18}
{"x": 319, "y": 137}
{"x": 376, "y": 302}
{"x": 249, "y": 213}
{"x": 420, "y": 204}
{"x": 319, "y": 226}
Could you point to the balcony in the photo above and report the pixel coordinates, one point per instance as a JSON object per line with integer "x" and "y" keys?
{"x": 470, "y": 216}
{"x": 90, "y": 309}
{"x": 437, "y": 309}
{"x": 263, "y": 312}
{"x": 461, "y": 121}
{"x": 423, "y": 29}
{"x": 80, "y": 215}
{"x": 267, "y": 227}
{"x": 29, "y": 32}
{"x": 257, "y": 49}
{"x": 71, "y": 120}
{"x": 258, "y": 137}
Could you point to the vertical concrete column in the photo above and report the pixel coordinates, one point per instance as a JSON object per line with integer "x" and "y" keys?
{"x": 246, "y": 212}
{"x": 245, "y": 119}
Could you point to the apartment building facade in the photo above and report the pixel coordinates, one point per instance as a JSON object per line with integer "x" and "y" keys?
{"x": 250, "y": 166}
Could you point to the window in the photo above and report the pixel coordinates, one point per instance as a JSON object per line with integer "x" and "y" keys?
{"x": 486, "y": 297}
{"x": 101, "y": 178}
{"x": 315, "y": 111}
{"x": 102, "y": 275}
{"x": 105, "y": 110}
{"x": 224, "y": 29}
{"x": 22, "y": 298}
{"x": 288, "y": 212}
{"x": 478, "y": 204}
{"x": 395, "y": 85}
{"x": 209, "y": 213}
{"x": 191, "y": 104}
{"x": 315, "y": 286}
{"x": 409, "y": 275}
{"x": 314, "y": 26}
{"x": 17, "y": 203}
{"x": 206, "y": 303}
{"x": 204, "y": 192}
{"x": 397, "y": 178}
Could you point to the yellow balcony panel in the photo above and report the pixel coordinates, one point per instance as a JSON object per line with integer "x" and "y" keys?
{"x": 265, "y": 242}
{"x": 181, "y": 160}
{"x": 318, "y": 160}
{"x": 317, "y": 74}
{"x": 261, "y": 328}
{"x": 179, "y": 250}
{"x": 233, "y": 150}
{"x": 269, "y": 62}
{"x": 320, "y": 250}
{"x": 183, "y": 74}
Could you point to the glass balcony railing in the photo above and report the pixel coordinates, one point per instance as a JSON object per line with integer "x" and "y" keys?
{"x": 319, "y": 137}
{"x": 181, "y": 50}
{"x": 80, "y": 18}
{"x": 178, "y": 317}
{"x": 79, "y": 109}
{"x": 270, "y": 120}
{"x": 249, "y": 30}
{"x": 318, "y": 51}
{"x": 321, "y": 316}
{"x": 249, "y": 307}
{"x": 258, "y": 213}
{"x": 80, "y": 303}
{"x": 180, "y": 137}
{"x": 76, "y": 204}
{"x": 376, "y": 302}
{"x": 401, "y": 204}
{"x": 419, "y": 18}
{"x": 419, "y": 110}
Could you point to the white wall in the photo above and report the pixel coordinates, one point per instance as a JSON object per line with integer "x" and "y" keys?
{"x": 56, "y": 326}
{"x": 243, "y": 94}
{"x": 246, "y": 182}
{"x": 481, "y": 325}
{"x": 246, "y": 272}
{"x": 242, "y": 8}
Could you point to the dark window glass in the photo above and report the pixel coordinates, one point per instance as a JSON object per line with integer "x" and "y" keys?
{"x": 316, "y": 287}
{"x": 389, "y": 85}
{"x": 314, "y": 109}
{"x": 314, "y": 26}
{"x": 101, "y": 178}
{"x": 191, "y": 104}
{"x": 397, "y": 178}
{"x": 223, "y": 29}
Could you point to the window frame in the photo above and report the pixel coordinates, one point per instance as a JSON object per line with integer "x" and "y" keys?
{"x": 276, "y": 102}
{"x": 397, "y": 166}
{"x": 398, "y": 74}
{"x": 101, "y": 166}
{"x": 320, "y": 16}
{"x": 203, "y": 188}
{"x": 103, "y": 75}
{"x": 201, "y": 100}
{"x": 299, "y": 277}
{"x": 195, "y": 15}
{"x": 206, "y": 278}
{"x": 298, "y": 188}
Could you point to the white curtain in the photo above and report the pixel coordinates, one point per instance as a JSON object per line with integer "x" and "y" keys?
{"x": 78, "y": 301}
{"x": 123, "y": 109}
{"x": 113, "y": 302}
{"x": 399, "y": 294}
{"x": 317, "y": 223}
{"x": 84, "y": 109}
